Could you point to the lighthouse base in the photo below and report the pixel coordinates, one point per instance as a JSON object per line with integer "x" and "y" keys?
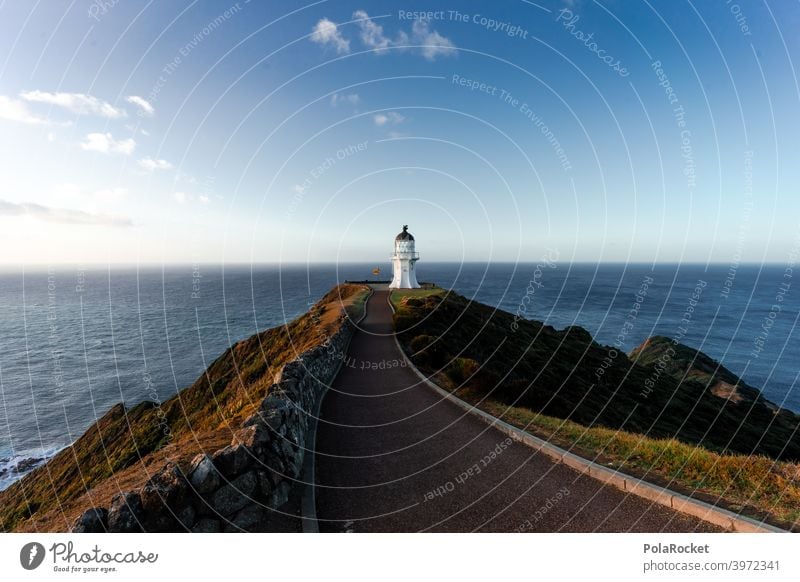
{"x": 404, "y": 275}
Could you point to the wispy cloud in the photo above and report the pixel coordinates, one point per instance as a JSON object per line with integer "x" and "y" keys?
{"x": 78, "y": 103}
{"x": 345, "y": 98}
{"x": 61, "y": 215}
{"x": 135, "y": 129}
{"x": 371, "y": 33}
{"x": 326, "y": 33}
{"x": 388, "y": 118}
{"x": 151, "y": 164}
{"x": 145, "y": 107}
{"x": 432, "y": 43}
{"x": 105, "y": 143}
{"x": 421, "y": 39}
{"x": 16, "y": 110}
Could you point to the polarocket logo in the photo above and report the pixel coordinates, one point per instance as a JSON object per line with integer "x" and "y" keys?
{"x": 31, "y": 555}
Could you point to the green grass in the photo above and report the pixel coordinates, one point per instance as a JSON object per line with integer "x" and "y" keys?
{"x": 761, "y": 484}
{"x": 399, "y": 295}
{"x": 355, "y": 307}
{"x": 679, "y": 434}
{"x": 565, "y": 374}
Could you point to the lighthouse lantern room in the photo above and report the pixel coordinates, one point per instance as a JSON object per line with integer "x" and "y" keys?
{"x": 404, "y": 274}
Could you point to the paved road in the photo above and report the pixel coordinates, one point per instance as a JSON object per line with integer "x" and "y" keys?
{"x": 393, "y": 456}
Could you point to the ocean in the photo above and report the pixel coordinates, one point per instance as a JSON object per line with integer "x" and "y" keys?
{"x": 76, "y": 341}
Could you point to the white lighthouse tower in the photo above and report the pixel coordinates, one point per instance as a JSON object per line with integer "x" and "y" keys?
{"x": 404, "y": 275}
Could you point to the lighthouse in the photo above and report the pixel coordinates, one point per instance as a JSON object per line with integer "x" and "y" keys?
{"x": 404, "y": 275}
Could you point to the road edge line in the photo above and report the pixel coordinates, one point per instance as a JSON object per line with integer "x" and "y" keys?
{"x": 627, "y": 483}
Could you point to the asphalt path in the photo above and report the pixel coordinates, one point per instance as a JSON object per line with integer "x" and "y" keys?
{"x": 394, "y": 456}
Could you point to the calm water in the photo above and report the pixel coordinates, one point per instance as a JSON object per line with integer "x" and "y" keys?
{"x": 73, "y": 342}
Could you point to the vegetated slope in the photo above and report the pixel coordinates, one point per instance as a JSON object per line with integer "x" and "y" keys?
{"x": 690, "y": 364}
{"x": 566, "y": 374}
{"x": 121, "y": 446}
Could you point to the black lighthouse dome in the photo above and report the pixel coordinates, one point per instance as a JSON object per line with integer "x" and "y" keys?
{"x": 405, "y": 235}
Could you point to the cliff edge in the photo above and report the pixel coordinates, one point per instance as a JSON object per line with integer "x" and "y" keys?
{"x": 131, "y": 457}
{"x": 662, "y": 389}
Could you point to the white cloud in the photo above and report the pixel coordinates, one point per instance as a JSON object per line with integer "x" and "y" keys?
{"x": 371, "y": 33}
{"x": 15, "y": 110}
{"x": 326, "y": 33}
{"x": 79, "y": 103}
{"x": 203, "y": 199}
{"x": 388, "y": 118}
{"x": 180, "y": 197}
{"x": 151, "y": 165}
{"x": 349, "y": 98}
{"x": 433, "y": 43}
{"x": 145, "y": 108}
{"x": 425, "y": 41}
{"x": 61, "y": 215}
{"x": 105, "y": 143}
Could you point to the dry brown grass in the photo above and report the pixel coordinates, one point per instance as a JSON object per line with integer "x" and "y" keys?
{"x": 754, "y": 484}
{"x": 125, "y": 446}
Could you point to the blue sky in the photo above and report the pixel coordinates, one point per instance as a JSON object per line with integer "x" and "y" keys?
{"x": 176, "y": 132}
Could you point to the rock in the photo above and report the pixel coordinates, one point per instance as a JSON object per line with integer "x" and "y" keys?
{"x": 235, "y": 495}
{"x": 294, "y": 369}
{"x": 265, "y": 483}
{"x": 203, "y": 475}
{"x": 163, "y": 496}
{"x": 295, "y": 434}
{"x": 165, "y": 488}
{"x": 273, "y": 421}
{"x": 186, "y": 516}
{"x": 280, "y": 495}
{"x": 232, "y": 460}
{"x": 276, "y": 466}
{"x": 27, "y": 464}
{"x": 125, "y": 514}
{"x": 207, "y": 525}
{"x": 292, "y": 469}
{"x": 277, "y": 402}
{"x": 255, "y": 437}
{"x": 248, "y": 519}
{"x": 93, "y": 520}
{"x": 291, "y": 385}
{"x": 287, "y": 449}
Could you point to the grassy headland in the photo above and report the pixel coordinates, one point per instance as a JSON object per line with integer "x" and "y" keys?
{"x": 665, "y": 412}
{"x": 126, "y": 445}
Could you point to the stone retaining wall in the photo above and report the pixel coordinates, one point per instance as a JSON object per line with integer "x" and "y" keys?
{"x": 237, "y": 487}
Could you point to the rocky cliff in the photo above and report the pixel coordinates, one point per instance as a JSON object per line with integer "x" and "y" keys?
{"x": 218, "y": 455}
{"x": 662, "y": 389}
